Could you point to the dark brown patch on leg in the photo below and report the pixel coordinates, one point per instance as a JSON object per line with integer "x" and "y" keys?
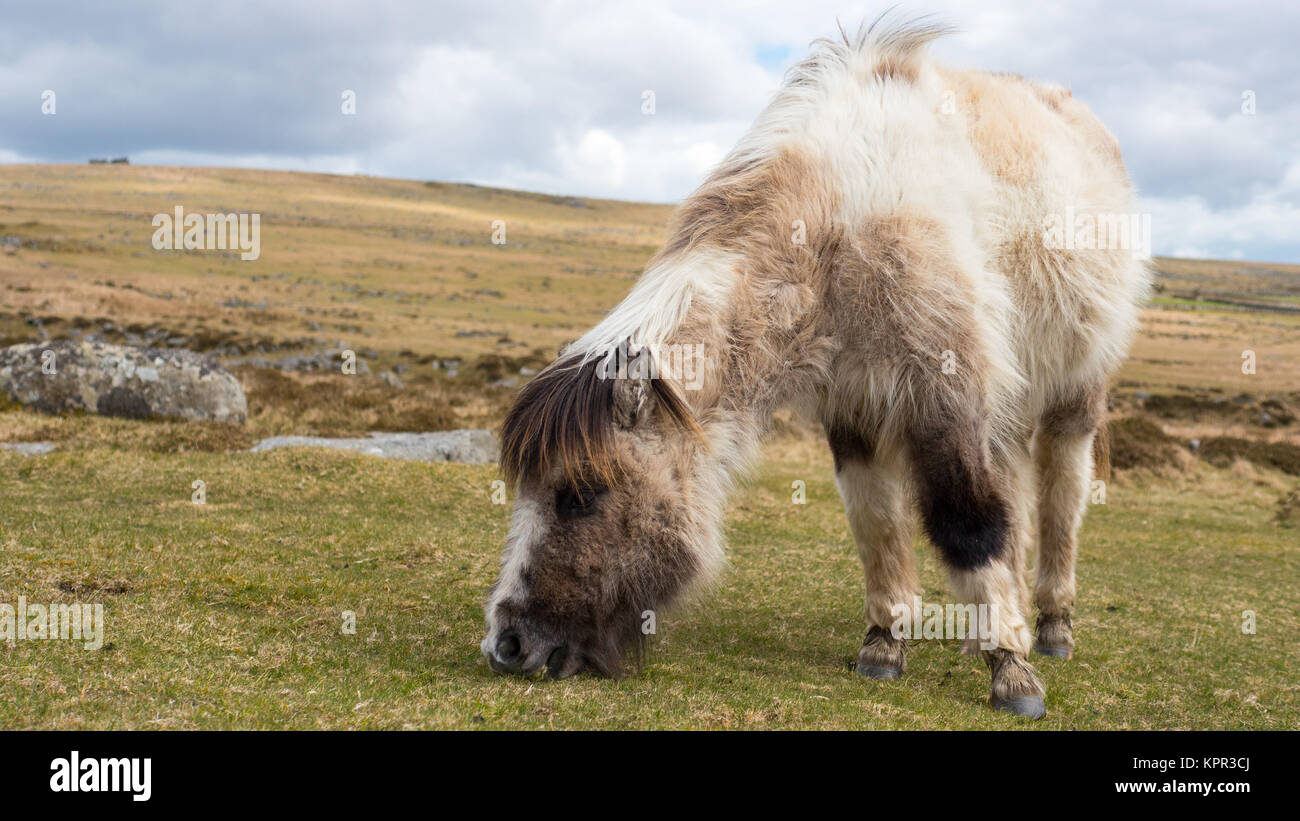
{"x": 847, "y": 444}
{"x": 962, "y": 505}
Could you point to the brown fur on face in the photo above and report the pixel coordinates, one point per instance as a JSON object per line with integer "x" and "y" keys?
{"x": 590, "y": 579}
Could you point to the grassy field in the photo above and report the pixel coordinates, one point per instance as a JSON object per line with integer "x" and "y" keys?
{"x": 229, "y": 614}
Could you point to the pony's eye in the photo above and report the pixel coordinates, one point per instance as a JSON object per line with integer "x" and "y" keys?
{"x": 571, "y": 502}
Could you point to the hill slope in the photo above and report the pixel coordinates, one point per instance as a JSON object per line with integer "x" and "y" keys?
{"x": 395, "y": 265}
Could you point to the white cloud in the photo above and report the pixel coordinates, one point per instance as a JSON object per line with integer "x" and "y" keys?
{"x": 598, "y": 157}
{"x": 547, "y": 95}
{"x": 1263, "y": 228}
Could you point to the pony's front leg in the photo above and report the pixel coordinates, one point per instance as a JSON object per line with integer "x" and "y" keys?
{"x": 974, "y": 516}
{"x": 875, "y": 488}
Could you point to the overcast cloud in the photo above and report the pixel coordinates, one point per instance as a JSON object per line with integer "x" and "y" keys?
{"x": 547, "y": 96}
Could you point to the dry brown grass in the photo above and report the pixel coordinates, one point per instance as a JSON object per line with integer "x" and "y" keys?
{"x": 386, "y": 264}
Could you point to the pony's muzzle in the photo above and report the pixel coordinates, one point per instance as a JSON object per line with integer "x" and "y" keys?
{"x": 511, "y": 653}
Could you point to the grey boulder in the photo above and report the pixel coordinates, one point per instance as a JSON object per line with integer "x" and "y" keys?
{"x": 119, "y": 380}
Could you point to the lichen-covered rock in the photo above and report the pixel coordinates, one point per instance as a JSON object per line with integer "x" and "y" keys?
{"x": 118, "y": 380}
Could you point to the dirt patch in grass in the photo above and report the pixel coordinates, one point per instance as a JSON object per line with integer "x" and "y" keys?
{"x": 82, "y": 588}
{"x": 415, "y": 419}
{"x": 489, "y": 368}
{"x": 78, "y": 430}
{"x": 1221, "y": 451}
{"x": 339, "y": 404}
{"x": 1244, "y": 409}
{"x": 1138, "y": 442}
{"x": 474, "y": 394}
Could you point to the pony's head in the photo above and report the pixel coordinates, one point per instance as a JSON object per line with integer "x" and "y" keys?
{"x": 603, "y": 532}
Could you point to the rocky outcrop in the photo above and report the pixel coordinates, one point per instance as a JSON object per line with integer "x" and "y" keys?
{"x": 118, "y": 380}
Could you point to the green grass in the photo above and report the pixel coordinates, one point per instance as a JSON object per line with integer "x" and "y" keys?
{"x": 228, "y": 615}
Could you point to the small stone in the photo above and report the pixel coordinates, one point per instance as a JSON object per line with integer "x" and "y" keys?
{"x": 476, "y": 447}
{"x": 28, "y": 448}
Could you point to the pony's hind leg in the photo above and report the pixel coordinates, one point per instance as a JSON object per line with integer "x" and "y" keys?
{"x": 1064, "y": 456}
{"x": 875, "y": 489}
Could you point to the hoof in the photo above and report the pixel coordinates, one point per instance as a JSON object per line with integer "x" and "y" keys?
{"x": 1056, "y": 651}
{"x": 1054, "y": 637}
{"x": 1031, "y": 707}
{"x": 879, "y": 672}
{"x": 881, "y": 656}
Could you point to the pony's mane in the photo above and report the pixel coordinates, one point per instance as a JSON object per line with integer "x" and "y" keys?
{"x": 565, "y": 417}
{"x": 887, "y": 47}
{"x": 887, "y": 44}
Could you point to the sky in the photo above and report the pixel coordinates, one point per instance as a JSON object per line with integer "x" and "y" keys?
{"x": 549, "y": 96}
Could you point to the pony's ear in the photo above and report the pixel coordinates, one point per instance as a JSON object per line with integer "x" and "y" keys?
{"x": 633, "y": 401}
{"x": 634, "y": 395}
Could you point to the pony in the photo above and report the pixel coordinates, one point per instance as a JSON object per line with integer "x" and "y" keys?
{"x": 933, "y": 264}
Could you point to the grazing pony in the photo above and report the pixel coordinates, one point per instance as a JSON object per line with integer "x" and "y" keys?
{"x": 904, "y": 250}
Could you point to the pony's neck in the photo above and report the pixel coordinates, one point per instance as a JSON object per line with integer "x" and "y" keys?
{"x": 753, "y": 350}
{"x": 735, "y": 345}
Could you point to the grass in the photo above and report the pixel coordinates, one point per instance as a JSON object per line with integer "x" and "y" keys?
{"x": 229, "y": 614}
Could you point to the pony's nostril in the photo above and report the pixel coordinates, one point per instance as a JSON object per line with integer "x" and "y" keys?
{"x": 508, "y": 647}
{"x": 555, "y": 662}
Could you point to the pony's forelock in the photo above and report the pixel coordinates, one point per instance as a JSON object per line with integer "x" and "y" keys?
{"x": 564, "y": 418}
